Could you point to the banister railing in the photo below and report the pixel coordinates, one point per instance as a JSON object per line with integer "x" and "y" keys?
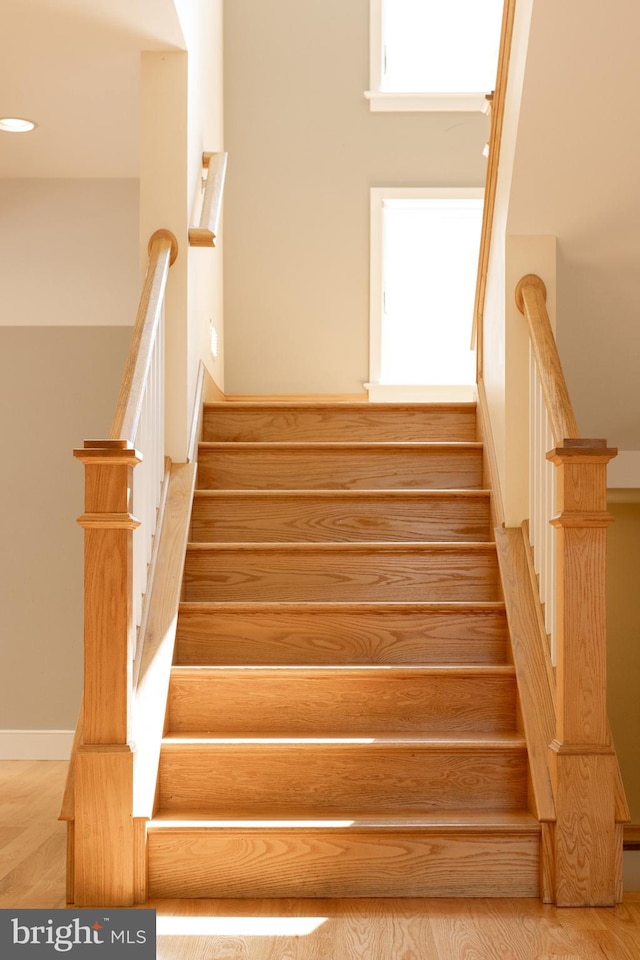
{"x": 119, "y": 520}
{"x": 587, "y": 837}
{"x": 206, "y": 233}
{"x": 531, "y": 299}
{"x": 496, "y": 114}
{"x": 163, "y": 250}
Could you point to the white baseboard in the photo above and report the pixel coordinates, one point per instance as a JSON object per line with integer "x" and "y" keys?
{"x": 35, "y": 744}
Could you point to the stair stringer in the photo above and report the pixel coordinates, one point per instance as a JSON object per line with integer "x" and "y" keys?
{"x": 534, "y": 678}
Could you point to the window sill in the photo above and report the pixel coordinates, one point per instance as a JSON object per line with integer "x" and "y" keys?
{"x": 384, "y": 101}
{"x": 425, "y": 393}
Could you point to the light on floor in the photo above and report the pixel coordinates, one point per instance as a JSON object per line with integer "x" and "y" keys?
{"x": 237, "y": 926}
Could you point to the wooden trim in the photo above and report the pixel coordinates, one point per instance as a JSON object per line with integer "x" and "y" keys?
{"x": 140, "y": 862}
{"x": 532, "y": 664}
{"x": 163, "y": 249}
{"x": 69, "y": 874}
{"x": 109, "y": 630}
{"x": 150, "y": 698}
{"x": 67, "y": 809}
{"x": 534, "y": 583}
{"x": 531, "y": 300}
{"x": 103, "y": 830}
{"x": 631, "y": 834}
{"x": 584, "y": 769}
{"x": 206, "y": 233}
{"x": 491, "y": 475}
{"x": 491, "y": 182}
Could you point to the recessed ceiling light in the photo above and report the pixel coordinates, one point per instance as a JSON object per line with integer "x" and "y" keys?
{"x": 16, "y": 125}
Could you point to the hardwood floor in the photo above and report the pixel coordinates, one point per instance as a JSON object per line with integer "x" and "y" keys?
{"x": 32, "y": 856}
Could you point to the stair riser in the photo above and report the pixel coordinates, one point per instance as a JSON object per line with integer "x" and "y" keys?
{"x": 340, "y": 863}
{"x": 280, "y": 519}
{"x": 331, "y": 423}
{"x": 366, "y": 776}
{"x": 341, "y": 704}
{"x": 339, "y": 469}
{"x": 318, "y": 638}
{"x": 298, "y": 575}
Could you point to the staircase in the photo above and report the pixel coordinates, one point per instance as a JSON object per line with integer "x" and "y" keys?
{"x": 342, "y": 715}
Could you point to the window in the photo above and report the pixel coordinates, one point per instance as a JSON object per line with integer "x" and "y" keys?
{"x": 424, "y": 247}
{"x": 433, "y": 54}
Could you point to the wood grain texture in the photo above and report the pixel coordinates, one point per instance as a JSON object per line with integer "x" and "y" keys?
{"x": 32, "y": 841}
{"x": 329, "y": 633}
{"x": 369, "y": 773}
{"x": 281, "y": 516}
{"x": 531, "y": 658}
{"x": 109, "y": 631}
{"x": 339, "y": 422}
{"x": 32, "y": 856}
{"x": 323, "y": 571}
{"x": 342, "y": 699}
{"x": 581, "y": 524}
{"x": 343, "y": 863}
{"x": 587, "y": 841}
{"x": 334, "y": 466}
{"x": 104, "y": 849}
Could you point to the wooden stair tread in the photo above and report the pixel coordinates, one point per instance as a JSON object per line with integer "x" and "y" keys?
{"x": 485, "y": 821}
{"x": 458, "y": 741}
{"x": 367, "y": 406}
{"x": 415, "y": 493}
{"x": 363, "y": 546}
{"x": 342, "y": 606}
{"x": 351, "y": 670}
{"x": 302, "y": 445}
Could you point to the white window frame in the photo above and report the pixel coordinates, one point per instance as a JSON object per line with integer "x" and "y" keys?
{"x": 384, "y": 391}
{"x": 384, "y": 101}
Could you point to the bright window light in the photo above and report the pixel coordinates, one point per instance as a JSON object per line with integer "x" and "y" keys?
{"x": 237, "y": 926}
{"x": 440, "y": 46}
{"x": 430, "y": 261}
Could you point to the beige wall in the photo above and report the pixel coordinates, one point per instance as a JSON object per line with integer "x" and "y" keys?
{"x": 58, "y": 385}
{"x": 623, "y": 623}
{"x": 70, "y": 282}
{"x": 68, "y": 252}
{"x": 304, "y": 149}
{"x": 576, "y": 177}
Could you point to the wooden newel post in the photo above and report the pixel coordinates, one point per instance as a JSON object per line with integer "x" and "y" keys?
{"x": 582, "y": 761}
{"x": 104, "y": 853}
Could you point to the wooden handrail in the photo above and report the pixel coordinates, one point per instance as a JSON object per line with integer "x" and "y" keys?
{"x": 495, "y": 136}
{"x": 163, "y": 250}
{"x": 206, "y": 233}
{"x": 531, "y": 300}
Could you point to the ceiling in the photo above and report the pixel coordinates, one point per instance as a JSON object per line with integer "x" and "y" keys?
{"x": 73, "y": 66}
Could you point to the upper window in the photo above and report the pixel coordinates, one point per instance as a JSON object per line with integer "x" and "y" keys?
{"x": 433, "y": 54}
